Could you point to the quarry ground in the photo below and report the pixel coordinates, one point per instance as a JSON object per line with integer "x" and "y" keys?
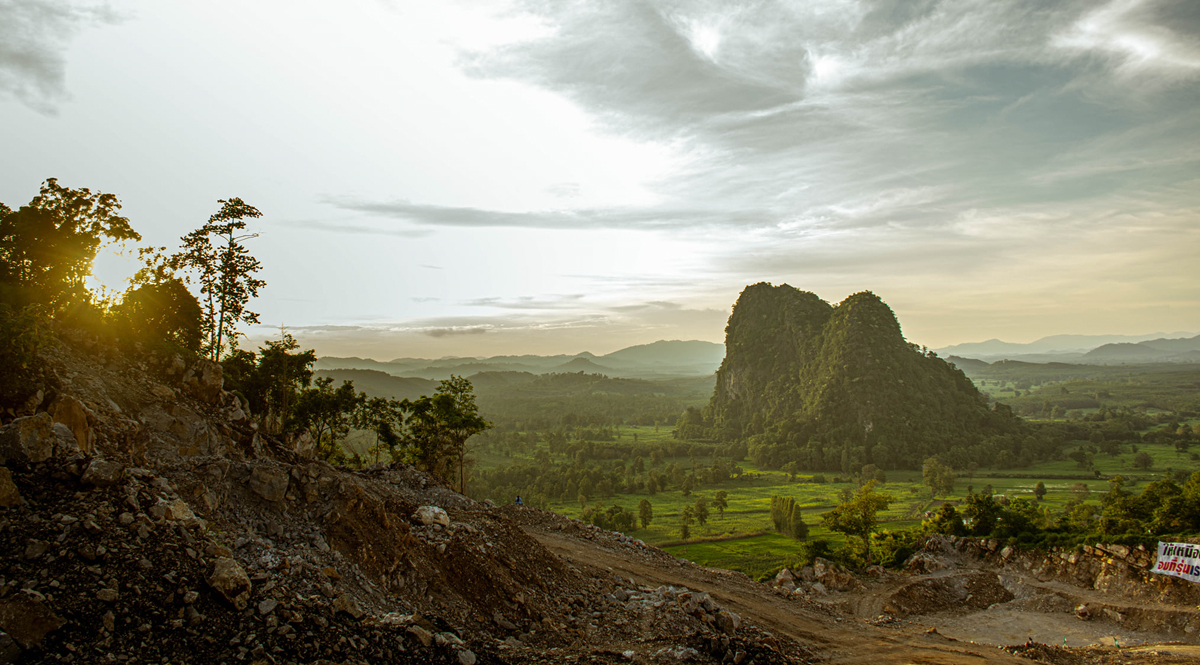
{"x": 855, "y": 627}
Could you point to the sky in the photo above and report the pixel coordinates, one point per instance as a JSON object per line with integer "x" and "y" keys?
{"x": 484, "y": 178}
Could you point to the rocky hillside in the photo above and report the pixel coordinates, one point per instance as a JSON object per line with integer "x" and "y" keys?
{"x": 837, "y": 387}
{"x": 143, "y": 518}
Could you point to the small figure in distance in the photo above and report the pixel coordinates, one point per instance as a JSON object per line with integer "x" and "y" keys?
{"x": 519, "y": 502}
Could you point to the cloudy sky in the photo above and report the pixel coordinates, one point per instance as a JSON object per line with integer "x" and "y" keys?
{"x": 478, "y": 178}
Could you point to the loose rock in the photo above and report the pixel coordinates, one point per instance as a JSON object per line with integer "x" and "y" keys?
{"x": 230, "y": 580}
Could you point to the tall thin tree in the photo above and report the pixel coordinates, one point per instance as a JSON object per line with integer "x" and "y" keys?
{"x": 225, "y": 270}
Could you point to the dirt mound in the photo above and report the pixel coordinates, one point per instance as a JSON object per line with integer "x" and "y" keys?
{"x": 971, "y": 591}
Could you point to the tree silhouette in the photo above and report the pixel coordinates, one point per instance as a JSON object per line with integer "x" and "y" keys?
{"x": 47, "y": 247}
{"x": 225, "y": 272}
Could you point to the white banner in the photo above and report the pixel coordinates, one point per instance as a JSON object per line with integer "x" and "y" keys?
{"x": 1179, "y": 559}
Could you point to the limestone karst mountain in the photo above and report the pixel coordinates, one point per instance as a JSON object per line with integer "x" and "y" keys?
{"x": 837, "y": 387}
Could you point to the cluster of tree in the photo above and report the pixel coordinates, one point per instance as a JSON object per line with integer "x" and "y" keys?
{"x": 430, "y": 432}
{"x": 1165, "y": 507}
{"x": 47, "y": 249}
{"x": 580, "y": 478}
{"x": 519, "y": 401}
{"x": 787, "y": 518}
{"x": 614, "y": 518}
{"x": 938, "y": 477}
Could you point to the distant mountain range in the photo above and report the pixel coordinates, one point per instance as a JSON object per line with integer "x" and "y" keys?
{"x": 1086, "y": 349}
{"x": 659, "y": 360}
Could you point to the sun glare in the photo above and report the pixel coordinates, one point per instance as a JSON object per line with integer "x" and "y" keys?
{"x": 114, "y": 266}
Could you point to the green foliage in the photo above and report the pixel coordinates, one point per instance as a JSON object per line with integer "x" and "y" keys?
{"x": 858, "y": 516}
{"x": 938, "y": 477}
{"x": 808, "y": 552}
{"x": 385, "y": 418}
{"x": 686, "y": 517}
{"x": 947, "y": 522}
{"x": 326, "y": 413}
{"x": 838, "y": 388}
{"x": 161, "y": 315}
{"x": 614, "y": 518}
{"x": 787, "y": 517}
{"x": 700, "y": 508}
{"x": 982, "y": 514}
{"x": 271, "y": 380}
{"x": 893, "y": 548}
{"x": 721, "y": 502}
{"x": 645, "y": 513}
{"x": 439, "y": 426}
{"x": 225, "y": 272}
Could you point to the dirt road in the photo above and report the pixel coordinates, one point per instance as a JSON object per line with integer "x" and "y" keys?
{"x": 834, "y": 638}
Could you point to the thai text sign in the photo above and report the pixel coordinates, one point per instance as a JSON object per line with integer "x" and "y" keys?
{"x": 1178, "y": 559}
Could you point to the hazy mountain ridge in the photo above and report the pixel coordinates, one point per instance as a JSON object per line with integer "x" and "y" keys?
{"x": 1087, "y": 349}
{"x": 661, "y": 359}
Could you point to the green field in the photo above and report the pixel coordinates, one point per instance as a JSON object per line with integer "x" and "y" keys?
{"x": 742, "y": 539}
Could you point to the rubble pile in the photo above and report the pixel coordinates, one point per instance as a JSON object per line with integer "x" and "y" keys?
{"x": 1107, "y": 568}
{"x": 144, "y": 518}
{"x": 822, "y": 577}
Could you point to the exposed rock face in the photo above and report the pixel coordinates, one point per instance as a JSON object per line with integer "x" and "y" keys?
{"x": 269, "y": 482}
{"x": 35, "y": 439}
{"x": 304, "y": 446}
{"x": 263, "y": 556}
{"x": 231, "y": 582}
{"x": 78, "y": 418}
{"x": 839, "y": 387}
{"x": 966, "y": 592}
{"x": 821, "y": 577}
{"x": 205, "y": 381}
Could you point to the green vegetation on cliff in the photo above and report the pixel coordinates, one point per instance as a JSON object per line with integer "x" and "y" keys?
{"x": 838, "y": 387}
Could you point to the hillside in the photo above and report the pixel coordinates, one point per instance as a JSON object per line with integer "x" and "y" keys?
{"x": 1074, "y": 348}
{"x": 380, "y": 384}
{"x": 661, "y": 359}
{"x": 838, "y": 387}
{"x": 1151, "y": 351}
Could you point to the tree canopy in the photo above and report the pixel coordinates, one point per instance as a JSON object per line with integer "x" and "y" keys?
{"x": 47, "y": 247}
{"x": 858, "y": 515}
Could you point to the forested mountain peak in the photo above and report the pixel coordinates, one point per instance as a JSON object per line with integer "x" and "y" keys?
{"x": 833, "y": 387}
